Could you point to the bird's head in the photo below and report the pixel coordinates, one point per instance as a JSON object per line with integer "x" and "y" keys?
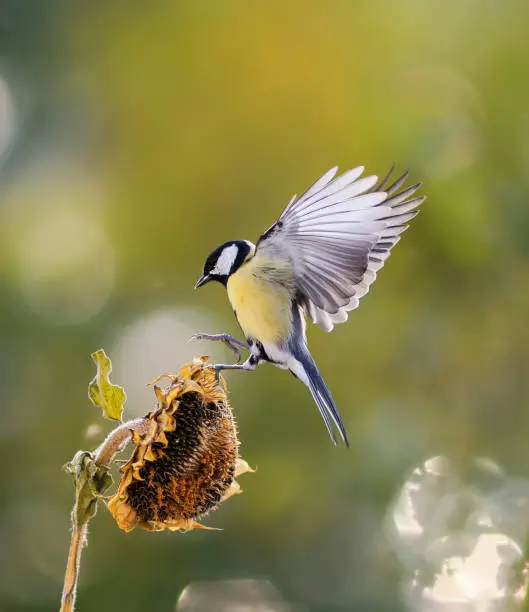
{"x": 225, "y": 260}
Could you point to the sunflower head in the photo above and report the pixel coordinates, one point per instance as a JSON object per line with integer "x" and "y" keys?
{"x": 187, "y": 462}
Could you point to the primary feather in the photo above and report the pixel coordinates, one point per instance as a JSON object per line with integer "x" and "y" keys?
{"x": 337, "y": 236}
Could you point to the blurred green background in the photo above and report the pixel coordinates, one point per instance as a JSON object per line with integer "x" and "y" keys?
{"x": 136, "y": 137}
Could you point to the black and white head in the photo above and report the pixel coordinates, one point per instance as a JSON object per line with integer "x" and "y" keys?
{"x": 225, "y": 260}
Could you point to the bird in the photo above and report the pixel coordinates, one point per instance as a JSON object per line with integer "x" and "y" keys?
{"x": 315, "y": 262}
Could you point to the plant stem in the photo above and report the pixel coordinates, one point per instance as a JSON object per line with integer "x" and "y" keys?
{"x": 117, "y": 440}
{"x": 72, "y": 568}
{"x": 91, "y": 478}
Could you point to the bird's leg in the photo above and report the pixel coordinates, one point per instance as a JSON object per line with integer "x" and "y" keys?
{"x": 231, "y": 342}
{"x": 249, "y": 365}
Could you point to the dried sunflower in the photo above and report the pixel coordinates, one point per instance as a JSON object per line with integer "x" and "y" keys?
{"x": 186, "y": 463}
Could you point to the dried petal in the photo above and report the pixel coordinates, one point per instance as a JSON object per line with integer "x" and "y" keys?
{"x": 187, "y": 466}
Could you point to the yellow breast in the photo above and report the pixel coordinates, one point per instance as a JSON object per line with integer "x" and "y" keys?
{"x": 261, "y": 304}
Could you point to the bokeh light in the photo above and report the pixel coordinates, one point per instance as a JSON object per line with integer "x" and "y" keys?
{"x": 66, "y": 267}
{"x": 154, "y": 344}
{"x": 64, "y": 262}
{"x": 246, "y": 595}
{"x": 460, "y": 535}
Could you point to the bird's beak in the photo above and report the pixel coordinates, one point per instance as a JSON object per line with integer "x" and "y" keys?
{"x": 205, "y": 278}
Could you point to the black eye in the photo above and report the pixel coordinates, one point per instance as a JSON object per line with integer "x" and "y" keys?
{"x": 211, "y": 261}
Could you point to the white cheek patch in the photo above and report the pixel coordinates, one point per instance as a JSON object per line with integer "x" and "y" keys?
{"x": 226, "y": 261}
{"x": 251, "y": 246}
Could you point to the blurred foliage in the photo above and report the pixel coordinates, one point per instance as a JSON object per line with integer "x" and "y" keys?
{"x": 139, "y": 136}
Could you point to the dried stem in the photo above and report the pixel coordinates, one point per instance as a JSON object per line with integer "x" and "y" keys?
{"x": 117, "y": 440}
{"x": 72, "y": 568}
{"x": 91, "y": 479}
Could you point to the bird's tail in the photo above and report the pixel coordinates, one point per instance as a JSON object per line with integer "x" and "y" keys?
{"x": 306, "y": 370}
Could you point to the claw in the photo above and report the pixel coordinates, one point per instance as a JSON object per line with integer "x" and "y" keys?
{"x": 231, "y": 342}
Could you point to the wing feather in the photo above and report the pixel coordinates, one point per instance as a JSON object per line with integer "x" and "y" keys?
{"x": 321, "y": 188}
{"x": 337, "y": 236}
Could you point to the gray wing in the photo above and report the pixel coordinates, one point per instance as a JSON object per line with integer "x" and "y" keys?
{"x": 337, "y": 235}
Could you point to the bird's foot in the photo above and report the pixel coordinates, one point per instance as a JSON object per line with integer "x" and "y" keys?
{"x": 231, "y": 342}
{"x": 249, "y": 365}
{"x": 219, "y": 367}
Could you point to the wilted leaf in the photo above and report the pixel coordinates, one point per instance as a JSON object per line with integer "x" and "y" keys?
{"x": 91, "y": 481}
{"x": 110, "y": 398}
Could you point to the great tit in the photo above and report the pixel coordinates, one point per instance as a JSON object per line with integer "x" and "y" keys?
{"x": 317, "y": 260}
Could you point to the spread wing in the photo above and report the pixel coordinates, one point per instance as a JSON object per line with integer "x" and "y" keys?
{"x": 337, "y": 236}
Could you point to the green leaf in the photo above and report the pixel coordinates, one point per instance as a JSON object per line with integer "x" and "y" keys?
{"x": 110, "y": 398}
